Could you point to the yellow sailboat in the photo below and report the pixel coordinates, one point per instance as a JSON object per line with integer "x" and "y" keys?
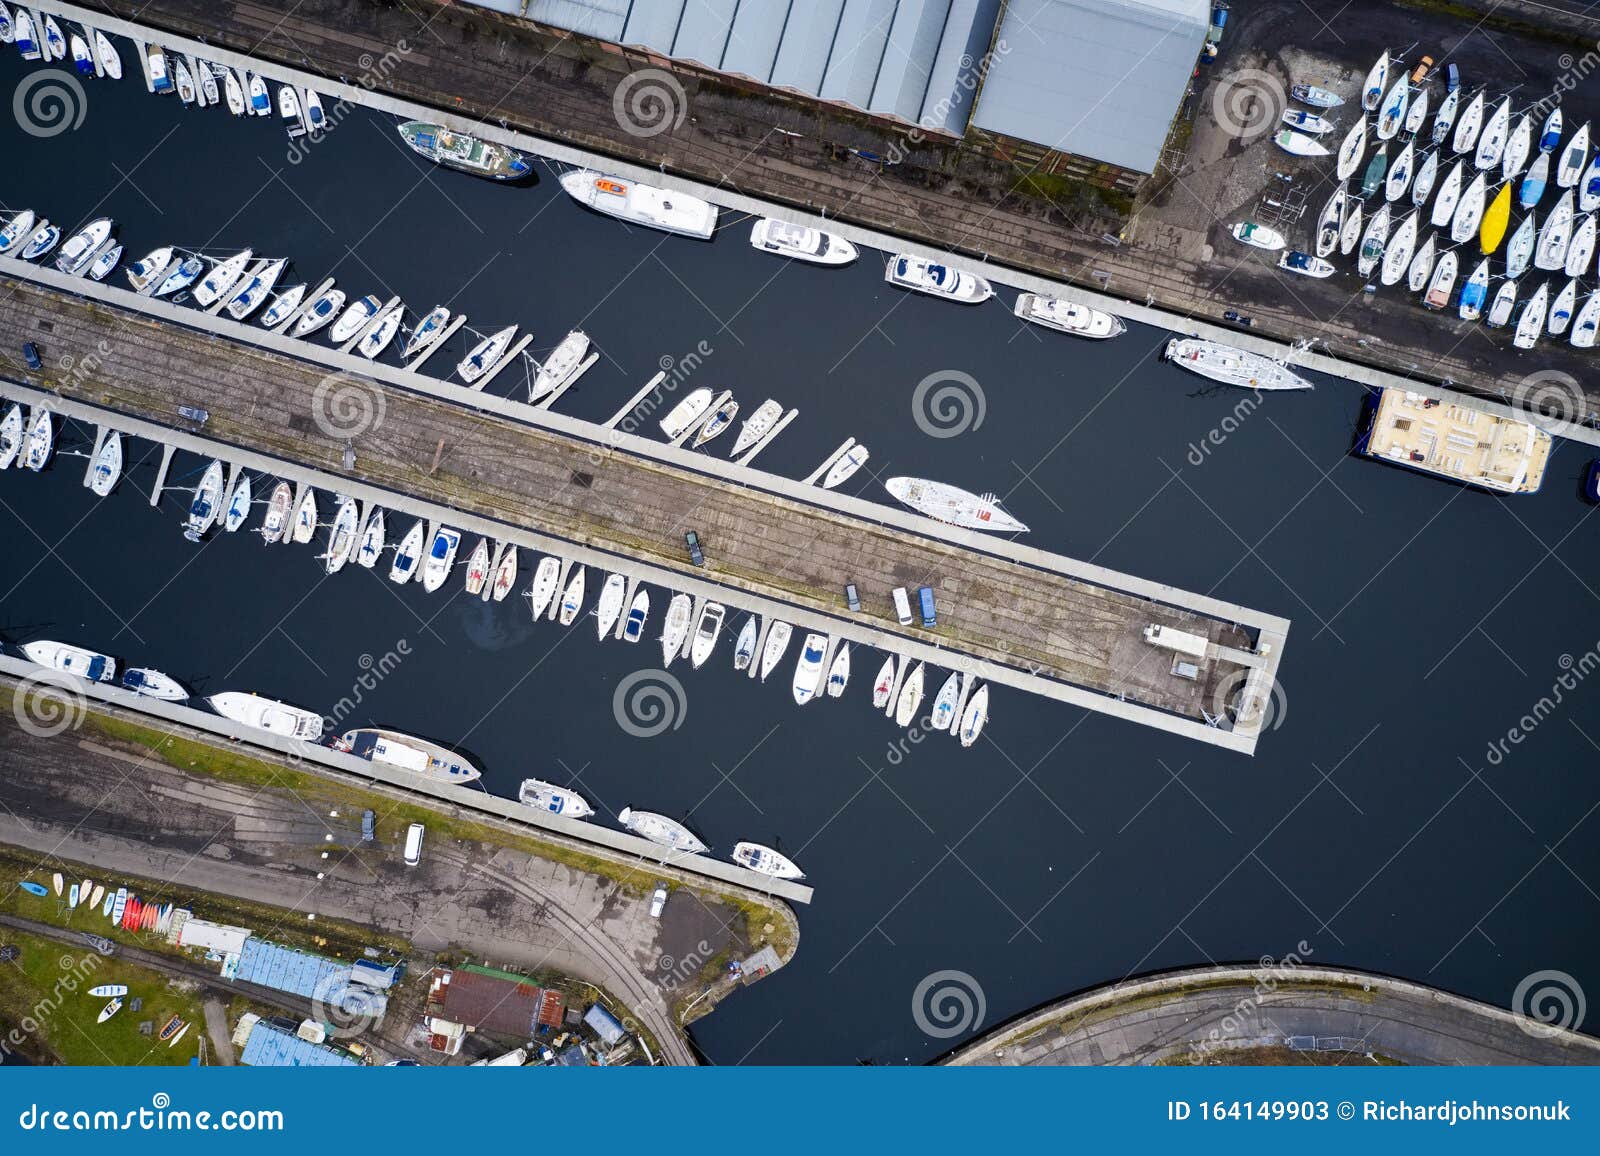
{"x": 1495, "y": 219}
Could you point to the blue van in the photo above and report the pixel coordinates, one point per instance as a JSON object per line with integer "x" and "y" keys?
{"x": 925, "y": 599}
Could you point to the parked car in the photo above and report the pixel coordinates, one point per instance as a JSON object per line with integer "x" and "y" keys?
{"x": 696, "y": 555}
{"x": 30, "y": 354}
{"x": 902, "y": 606}
{"x": 413, "y": 850}
{"x": 851, "y": 598}
{"x": 368, "y": 826}
{"x": 658, "y": 901}
{"x": 1420, "y": 72}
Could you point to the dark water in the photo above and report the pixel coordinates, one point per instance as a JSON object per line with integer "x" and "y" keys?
{"x": 1070, "y": 850}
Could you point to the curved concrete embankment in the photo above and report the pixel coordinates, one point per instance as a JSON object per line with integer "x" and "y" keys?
{"x": 1202, "y": 1014}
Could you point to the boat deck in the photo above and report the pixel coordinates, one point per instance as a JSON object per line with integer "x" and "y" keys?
{"x": 1457, "y": 442}
{"x": 1016, "y": 616}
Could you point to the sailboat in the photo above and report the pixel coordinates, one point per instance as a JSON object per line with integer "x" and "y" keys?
{"x": 428, "y": 330}
{"x": 839, "y": 671}
{"x": 277, "y": 517}
{"x": 106, "y": 51}
{"x": 1372, "y": 244}
{"x": 321, "y": 311}
{"x": 1377, "y": 81}
{"x": 283, "y": 306}
{"x": 609, "y": 608}
{"x": 304, "y": 527}
{"x": 1518, "y": 144}
{"x": 777, "y": 642}
{"x": 505, "y": 573}
{"x": 1473, "y": 292}
{"x": 370, "y": 548}
{"x": 845, "y": 466}
{"x": 557, "y": 800}
{"x": 187, "y": 272}
{"x": 1520, "y": 250}
{"x": 1351, "y": 149}
{"x": 41, "y": 440}
{"x": 1555, "y": 236}
{"x": 744, "y": 650}
{"x": 238, "y": 508}
{"x": 676, "y": 627}
{"x": 249, "y": 296}
{"x": 1392, "y": 113}
{"x": 203, "y": 508}
{"x": 233, "y": 91}
{"x": 660, "y": 829}
{"x": 1573, "y": 159}
{"x": 1469, "y": 212}
{"x": 107, "y": 465}
{"x": 943, "y": 715}
{"x": 1469, "y": 126}
{"x": 1399, "y": 178}
{"x": 1492, "y": 141}
{"x": 1328, "y": 223}
{"x": 1417, "y": 113}
{"x": 342, "y": 535}
{"x": 706, "y": 633}
{"x": 221, "y": 279}
{"x": 1561, "y": 309}
{"x": 1589, "y": 190}
{"x": 1550, "y": 134}
{"x": 756, "y": 426}
{"x": 1446, "y": 116}
{"x": 183, "y": 79}
{"x": 1533, "y": 182}
{"x": 808, "y": 668}
{"x": 1581, "y": 248}
{"x": 1531, "y": 324}
{"x": 910, "y": 699}
{"x": 717, "y": 423}
{"x": 975, "y": 716}
{"x": 543, "y": 588}
{"x": 407, "y": 554}
{"x": 557, "y": 369}
{"x": 1397, "y": 256}
{"x": 11, "y": 439}
{"x": 1444, "y": 205}
{"x": 1587, "y": 323}
{"x": 766, "y": 861}
{"x": 377, "y": 338}
{"x": 1427, "y": 174}
{"x": 1495, "y": 220}
{"x": 883, "y": 684}
{"x": 572, "y": 597}
{"x": 485, "y": 355}
{"x": 953, "y": 505}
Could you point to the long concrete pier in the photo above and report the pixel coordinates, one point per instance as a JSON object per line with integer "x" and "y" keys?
{"x": 1010, "y": 614}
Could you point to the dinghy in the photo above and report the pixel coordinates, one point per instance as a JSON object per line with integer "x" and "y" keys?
{"x": 319, "y": 312}
{"x": 203, "y": 507}
{"x": 1574, "y": 159}
{"x": 609, "y": 607}
{"x": 910, "y": 700}
{"x": 638, "y": 612}
{"x": 744, "y": 650}
{"x": 428, "y": 330}
{"x": 756, "y": 426}
{"x": 706, "y": 633}
{"x": 1531, "y": 324}
{"x": 572, "y": 598}
{"x": 1561, "y": 309}
{"x": 766, "y": 861}
{"x": 660, "y": 829}
{"x": 406, "y": 555}
{"x": 277, "y": 517}
{"x": 778, "y": 635}
{"x": 485, "y": 355}
{"x": 557, "y": 369}
{"x": 107, "y": 465}
{"x": 839, "y": 671}
{"x": 676, "y": 627}
{"x": 109, "y": 1010}
{"x": 808, "y": 668}
{"x": 441, "y": 558}
{"x": 370, "y": 548}
{"x": 846, "y": 465}
{"x": 543, "y": 588}
{"x": 153, "y": 684}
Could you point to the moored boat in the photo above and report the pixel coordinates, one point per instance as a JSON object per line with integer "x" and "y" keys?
{"x": 801, "y": 242}
{"x": 153, "y": 684}
{"x": 910, "y": 698}
{"x": 441, "y": 558}
{"x": 1231, "y": 366}
{"x": 79, "y": 249}
{"x": 17, "y": 227}
{"x": 279, "y": 718}
{"x": 342, "y": 535}
{"x": 717, "y": 423}
{"x": 355, "y": 318}
{"x": 543, "y": 588}
{"x": 676, "y": 627}
{"x": 839, "y": 671}
{"x": 1067, "y": 316}
{"x": 778, "y": 635}
{"x": 682, "y": 417}
{"x": 638, "y": 613}
{"x": 107, "y": 468}
{"x": 1531, "y": 324}
{"x": 975, "y": 716}
{"x": 845, "y": 466}
{"x": 283, "y": 306}
{"x": 936, "y": 279}
{"x": 322, "y": 310}
{"x": 557, "y": 800}
{"x": 277, "y": 516}
{"x": 203, "y": 508}
{"x": 660, "y": 829}
{"x": 706, "y": 633}
{"x": 253, "y": 290}
{"x": 69, "y": 659}
{"x": 408, "y": 554}
{"x": 609, "y": 606}
{"x": 557, "y": 369}
{"x": 943, "y": 715}
{"x": 370, "y": 548}
{"x": 41, "y": 441}
{"x": 744, "y": 650}
{"x": 429, "y": 760}
{"x": 463, "y": 152}
{"x": 954, "y": 505}
{"x": 572, "y": 597}
{"x": 756, "y": 426}
{"x": 642, "y": 204}
{"x": 766, "y": 861}
{"x": 428, "y": 330}
{"x": 808, "y": 668}
{"x": 485, "y": 355}
{"x": 221, "y": 279}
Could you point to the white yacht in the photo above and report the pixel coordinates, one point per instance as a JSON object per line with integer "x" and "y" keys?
{"x": 406, "y": 555}
{"x": 321, "y": 311}
{"x": 808, "y": 668}
{"x": 717, "y": 423}
{"x": 706, "y": 633}
{"x": 356, "y": 317}
{"x": 203, "y": 507}
{"x": 485, "y": 355}
{"x": 377, "y": 338}
{"x": 283, "y": 306}
{"x": 370, "y": 548}
{"x": 342, "y": 535}
{"x": 676, "y": 627}
{"x": 428, "y": 760}
{"x": 609, "y": 608}
{"x": 79, "y": 249}
{"x": 846, "y": 465}
{"x": 744, "y": 651}
{"x": 19, "y": 226}
{"x": 766, "y": 861}
{"x": 250, "y": 295}
{"x": 41, "y": 440}
{"x": 572, "y": 597}
{"x": 943, "y": 715}
{"x": 1067, "y": 316}
{"x": 277, "y": 516}
{"x": 153, "y": 684}
{"x": 938, "y": 280}
{"x": 107, "y": 465}
{"x": 505, "y": 573}
{"x": 638, "y": 612}
{"x": 1231, "y": 366}
{"x": 557, "y": 800}
{"x": 642, "y": 204}
{"x": 681, "y": 418}
{"x": 267, "y": 714}
{"x": 557, "y": 369}
{"x": 883, "y": 685}
{"x": 220, "y": 279}
{"x": 757, "y": 425}
{"x": 441, "y": 558}
{"x": 954, "y": 505}
{"x": 1531, "y": 323}
{"x": 71, "y": 660}
{"x": 973, "y": 718}
{"x": 11, "y": 438}
{"x": 304, "y": 527}
{"x": 428, "y": 330}
{"x": 778, "y": 635}
{"x": 543, "y": 589}
{"x": 185, "y": 275}
{"x": 110, "y": 59}
{"x": 910, "y": 696}
{"x": 478, "y": 567}
{"x": 839, "y": 671}
{"x": 660, "y": 829}
{"x": 801, "y": 242}
{"x": 105, "y": 260}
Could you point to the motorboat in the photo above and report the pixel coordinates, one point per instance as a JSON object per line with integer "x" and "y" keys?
{"x": 766, "y": 861}
{"x": 1316, "y": 96}
{"x": 105, "y": 260}
{"x": 19, "y": 226}
{"x": 642, "y": 204}
{"x": 44, "y": 239}
{"x": 155, "y": 63}
{"x": 545, "y": 796}
{"x": 260, "y": 99}
{"x": 107, "y": 468}
{"x": 778, "y": 635}
{"x": 609, "y": 607}
{"x": 421, "y": 757}
{"x": 441, "y": 558}
{"x": 542, "y": 591}
{"x": 839, "y": 671}
{"x": 26, "y": 36}
{"x": 682, "y": 417}
{"x": 321, "y": 311}
{"x": 660, "y": 829}
{"x": 936, "y": 279}
{"x": 558, "y": 368}
{"x": 845, "y": 466}
{"x": 954, "y": 505}
{"x": 676, "y": 627}
{"x": 1305, "y": 264}
{"x": 79, "y": 249}
{"x": 355, "y": 318}
{"x": 279, "y": 718}
{"x": 250, "y": 295}
{"x": 314, "y": 119}
{"x": 147, "y": 268}
{"x": 757, "y": 426}
{"x": 801, "y": 242}
{"x": 1550, "y": 133}
{"x": 221, "y": 279}
{"x": 485, "y": 355}
{"x": 203, "y": 507}
{"x": 463, "y": 152}
{"x": 153, "y": 684}
{"x": 1505, "y": 299}
{"x": 808, "y": 668}
{"x": 1067, "y": 316}
{"x": 277, "y": 516}
{"x": 283, "y": 306}
{"x": 408, "y": 554}
{"x": 572, "y": 597}
{"x": 706, "y": 633}
{"x": 68, "y": 659}
{"x": 428, "y": 331}
{"x": 910, "y": 699}
{"x": 638, "y": 612}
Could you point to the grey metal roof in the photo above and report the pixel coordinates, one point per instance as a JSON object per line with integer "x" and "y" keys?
{"x": 1098, "y": 78}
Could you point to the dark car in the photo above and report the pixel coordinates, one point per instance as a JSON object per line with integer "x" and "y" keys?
{"x": 696, "y": 555}
{"x": 368, "y": 824}
{"x": 30, "y": 354}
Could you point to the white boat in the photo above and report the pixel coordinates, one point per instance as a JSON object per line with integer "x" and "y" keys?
{"x": 973, "y": 718}
{"x": 1587, "y": 323}
{"x": 1080, "y": 320}
{"x": 638, "y": 612}
{"x": 221, "y": 279}
{"x": 1306, "y": 122}
{"x": 1533, "y": 182}
{"x": 1469, "y": 126}
{"x": 744, "y": 650}
{"x": 370, "y": 548}
{"x": 936, "y": 279}
{"x": 314, "y": 119}
{"x": 421, "y": 757}
{"x": 19, "y": 226}
{"x": 660, "y": 829}
{"x": 44, "y": 239}
{"x": 954, "y": 505}
{"x": 845, "y": 466}
{"x": 41, "y": 440}
{"x": 1581, "y": 247}
{"x": 283, "y": 306}
{"x": 260, "y": 100}
{"x": 407, "y": 554}
{"x": 572, "y": 598}
{"x": 153, "y": 684}
{"x": 642, "y": 204}
{"x": 254, "y": 289}
{"x": 238, "y": 507}
{"x": 943, "y": 715}
{"x": 233, "y": 92}
{"x": 910, "y": 700}
{"x": 1469, "y": 212}
{"x": 717, "y": 423}
{"x": 1373, "y": 242}
{"x": 557, "y": 369}
{"x": 682, "y": 417}
{"x": 277, "y": 516}
{"x": 485, "y": 355}
{"x": 1443, "y": 282}
{"x": 186, "y": 274}
{"x": 1520, "y": 251}
{"x": 1518, "y": 145}
{"x": 279, "y": 718}
{"x": 478, "y": 568}
{"x": 105, "y": 260}
{"x": 766, "y": 861}
{"x": 321, "y": 311}
{"x": 79, "y": 249}
{"x": 1230, "y": 365}
{"x": 1417, "y": 113}
{"x": 1350, "y": 230}
{"x": 557, "y": 800}
{"x": 505, "y": 573}
{"x": 289, "y": 109}
{"x": 1505, "y": 299}
{"x": 55, "y": 44}
{"x": 839, "y": 671}
{"x": 1397, "y": 255}
{"x": 883, "y": 684}
{"x": 808, "y": 668}
{"x": 10, "y": 437}
{"x": 1299, "y": 144}
{"x": 676, "y": 627}
{"x": 70, "y": 659}
{"x": 1556, "y": 235}
{"x": 801, "y": 242}
{"x": 1399, "y": 178}
{"x": 609, "y": 608}
{"x": 1550, "y": 133}
{"x": 356, "y": 317}
{"x": 203, "y": 508}
{"x": 778, "y": 635}
{"x": 1446, "y": 116}
{"x": 1377, "y": 81}
{"x": 1392, "y": 112}
{"x": 428, "y": 330}
{"x": 1561, "y": 309}
{"x": 107, "y": 465}
{"x": 304, "y": 527}
{"x": 380, "y": 335}
{"x": 342, "y": 535}
{"x": 1305, "y": 264}
{"x": 1492, "y": 141}
{"x": 1444, "y": 205}
{"x": 1351, "y": 149}
{"x": 756, "y": 426}
{"x": 1589, "y": 188}
{"x": 156, "y": 65}
{"x": 183, "y": 80}
{"x": 706, "y": 633}
{"x": 111, "y": 1008}
{"x": 441, "y": 558}
{"x": 1316, "y": 96}
{"x": 106, "y": 51}
{"x": 543, "y": 588}
{"x": 1328, "y": 223}
{"x": 207, "y": 80}
{"x": 1473, "y": 292}
{"x": 1531, "y": 323}
{"x": 1574, "y": 158}
{"x": 26, "y": 36}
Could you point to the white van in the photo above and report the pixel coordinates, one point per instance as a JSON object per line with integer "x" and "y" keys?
{"x": 902, "y": 606}
{"x": 413, "y": 853}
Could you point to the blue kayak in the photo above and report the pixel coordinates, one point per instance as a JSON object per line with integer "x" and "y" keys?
{"x": 34, "y": 888}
